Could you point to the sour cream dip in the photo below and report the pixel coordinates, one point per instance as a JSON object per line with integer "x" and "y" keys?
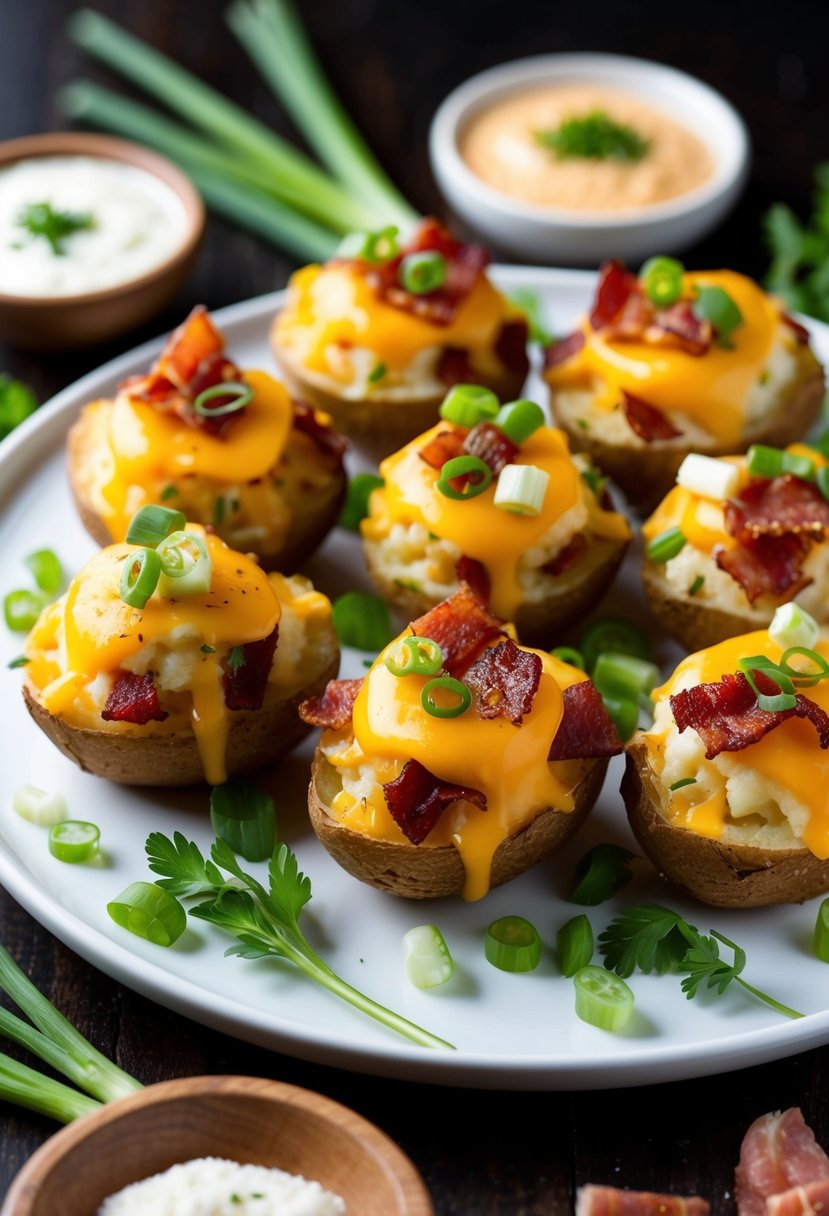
{"x": 132, "y": 222}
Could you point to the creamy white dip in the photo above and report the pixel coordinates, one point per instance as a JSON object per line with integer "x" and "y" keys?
{"x": 137, "y": 222}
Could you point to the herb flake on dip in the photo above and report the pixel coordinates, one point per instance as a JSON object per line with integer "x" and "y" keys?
{"x": 522, "y": 145}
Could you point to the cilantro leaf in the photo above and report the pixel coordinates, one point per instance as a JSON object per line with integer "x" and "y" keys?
{"x": 601, "y": 872}
{"x": 184, "y": 871}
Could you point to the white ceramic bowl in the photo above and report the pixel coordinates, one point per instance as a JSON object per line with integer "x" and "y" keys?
{"x": 560, "y": 237}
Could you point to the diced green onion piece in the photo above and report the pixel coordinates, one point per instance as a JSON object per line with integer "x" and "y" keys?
{"x": 375, "y": 247}
{"x": 362, "y": 621}
{"x": 139, "y": 577}
{"x": 764, "y": 461}
{"x": 697, "y": 585}
{"x": 665, "y": 546}
{"x": 569, "y": 654}
{"x": 602, "y": 998}
{"x": 22, "y": 660}
{"x": 662, "y": 280}
{"x": 149, "y": 912}
{"x": 476, "y": 471}
{"x": 243, "y": 816}
{"x": 681, "y": 783}
{"x": 240, "y": 395}
{"x": 822, "y": 479}
{"x": 818, "y": 671}
{"x": 799, "y": 466}
{"x": 792, "y": 626}
{"x": 39, "y": 807}
{"x": 624, "y": 715}
{"x": 613, "y": 634}
{"x": 46, "y": 571}
{"x": 784, "y": 699}
{"x": 151, "y": 524}
{"x": 593, "y": 478}
{"x": 469, "y": 404}
{"x": 415, "y": 656}
{"x": 521, "y": 489}
{"x": 821, "y": 938}
{"x": 377, "y": 373}
{"x": 22, "y": 608}
{"x": 708, "y": 476}
{"x": 519, "y": 419}
{"x": 528, "y": 303}
{"x": 446, "y": 685}
{"x": 575, "y": 945}
{"x": 422, "y": 272}
{"x": 715, "y": 305}
{"x": 512, "y": 944}
{"x": 74, "y": 840}
{"x": 428, "y": 961}
{"x": 360, "y": 489}
{"x": 186, "y": 565}
{"x": 169, "y": 492}
{"x": 625, "y": 676}
{"x": 601, "y": 872}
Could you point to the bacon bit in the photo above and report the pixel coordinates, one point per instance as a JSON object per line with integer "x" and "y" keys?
{"x": 785, "y": 504}
{"x": 490, "y": 445}
{"x": 559, "y": 352}
{"x": 614, "y": 287}
{"x": 809, "y": 1200}
{"x": 779, "y": 1152}
{"x": 511, "y": 347}
{"x": 474, "y": 573}
{"x": 505, "y": 679}
{"x": 446, "y": 445}
{"x": 416, "y": 800}
{"x": 567, "y": 557}
{"x": 335, "y": 707}
{"x": 586, "y": 730}
{"x": 311, "y": 423}
{"x": 727, "y": 718}
{"x": 680, "y": 326}
{"x": 768, "y": 564}
{"x": 594, "y": 1200}
{"x": 800, "y": 332}
{"x": 133, "y": 699}
{"x": 454, "y": 367}
{"x": 647, "y": 421}
{"x": 461, "y": 626}
{"x": 633, "y": 320}
{"x": 188, "y": 347}
{"x": 244, "y": 687}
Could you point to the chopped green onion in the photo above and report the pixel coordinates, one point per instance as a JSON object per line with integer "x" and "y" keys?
{"x": 680, "y": 785}
{"x": 821, "y": 938}
{"x": 207, "y": 649}
{"x": 512, "y": 944}
{"x": 46, "y": 571}
{"x": 169, "y": 492}
{"x": 600, "y": 873}
{"x": 374, "y": 247}
{"x": 149, "y": 912}
{"x": 428, "y": 961}
{"x": 415, "y": 656}
{"x": 22, "y": 660}
{"x": 624, "y": 714}
{"x": 602, "y": 998}
{"x": 715, "y": 305}
{"x": 798, "y": 674}
{"x": 822, "y": 479}
{"x": 521, "y": 489}
{"x": 613, "y": 634}
{"x": 799, "y": 466}
{"x": 764, "y": 461}
{"x": 139, "y": 577}
{"x": 662, "y": 280}
{"x": 186, "y": 565}
{"x": 697, "y": 584}
{"x": 594, "y": 136}
{"x": 476, "y": 471}
{"x": 528, "y": 303}
{"x": 74, "y": 840}
{"x": 593, "y": 478}
{"x": 575, "y": 945}
{"x": 624, "y": 675}
{"x": 42, "y": 219}
{"x": 22, "y": 608}
{"x": 785, "y": 697}
{"x": 791, "y": 625}
{"x": 469, "y": 404}
{"x": 362, "y": 621}
{"x": 360, "y": 489}
{"x": 422, "y": 272}
{"x": 38, "y": 806}
{"x": 708, "y": 476}
{"x": 152, "y": 524}
{"x": 243, "y": 816}
{"x": 240, "y": 395}
{"x": 519, "y": 419}
{"x": 236, "y": 657}
{"x": 17, "y": 402}
{"x": 665, "y": 546}
{"x": 446, "y": 685}
{"x": 569, "y": 654}
{"x": 377, "y": 372}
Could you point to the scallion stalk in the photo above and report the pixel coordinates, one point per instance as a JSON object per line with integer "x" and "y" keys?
{"x": 25, "y": 1087}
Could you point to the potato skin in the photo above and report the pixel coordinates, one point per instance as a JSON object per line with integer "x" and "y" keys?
{"x": 696, "y": 625}
{"x": 722, "y": 875}
{"x": 421, "y": 872}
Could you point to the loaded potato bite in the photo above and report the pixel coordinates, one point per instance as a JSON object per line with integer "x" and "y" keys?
{"x": 670, "y": 362}
{"x": 726, "y": 793}
{"x": 228, "y": 448}
{"x": 491, "y": 495}
{"x": 176, "y": 660}
{"x": 377, "y": 335}
{"x": 459, "y": 760}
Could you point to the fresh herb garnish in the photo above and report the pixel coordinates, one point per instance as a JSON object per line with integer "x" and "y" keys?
{"x": 594, "y": 136}
{"x": 207, "y": 649}
{"x": 236, "y": 657}
{"x": 683, "y": 781}
{"x": 377, "y": 373}
{"x": 799, "y": 269}
{"x": 528, "y": 303}
{"x": 169, "y": 492}
{"x": 697, "y": 584}
{"x": 601, "y": 873}
{"x": 17, "y": 402}
{"x": 42, "y": 220}
{"x": 20, "y": 661}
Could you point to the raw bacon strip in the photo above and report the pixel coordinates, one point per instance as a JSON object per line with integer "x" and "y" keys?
{"x": 612, "y": 1201}
{"x": 335, "y": 707}
{"x": 559, "y": 352}
{"x": 416, "y": 800}
{"x": 572, "y": 552}
{"x": 474, "y": 573}
{"x": 809, "y": 1200}
{"x": 309, "y": 421}
{"x": 491, "y": 446}
{"x": 779, "y": 1152}
{"x": 727, "y": 718}
{"x": 770, "y": 564}
{"x": 680, "y": 326}
{"x": 784, "y": 504}
{"x": 446, "y": 445}
{"x": 505, "y": 679}
{"x": 511, "y": 347}
{"x": 586, "y": 730}
{"x": 647, "y": 421}
{"x": 461, "y": 626}
{"x": 614, "y": 287}
{"x": 134, "y": 699}
{"x": 244, "y": 687}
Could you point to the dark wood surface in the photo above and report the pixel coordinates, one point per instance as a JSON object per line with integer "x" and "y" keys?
{"x": 392, "y": 61}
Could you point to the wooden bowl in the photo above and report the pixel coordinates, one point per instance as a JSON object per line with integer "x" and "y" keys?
{"x": 72, "y": 321}
{"x": 245, "y": 1119}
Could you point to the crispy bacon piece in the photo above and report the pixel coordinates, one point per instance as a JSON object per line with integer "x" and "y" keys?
{"x": 192, "y": 344}
{"x": 511, "y": 346}
{"x": 567, "y": 557}
{"x": 446, "y": 445}
{"x": 416, "y": 800}
{"x": 334, "y": 708}
{"x": 559, "y": 352}
{"x": 612, "y": 292}
{"x": 594, "y": 1200}
{"x": 491, "y": 446}
{"x": 455, "y": 367}
{"x": 474, "y": 573}
{"x": 505, "y": 679}
{"x": 461, "y": 626}
{"x": 727, "y": 718}
{"x": 586, "y": 730}
{"x": 779, "y": 1153}
{"x": 244, "y": 687}
{"x": 308, "y": 420}
{"x": 768, "y": 564}
{"x": 133, "y": 699}
{"x": 785, "y": 504}
{"x": 680, "y": 326}
{"x": 800, "y": 331}
{"x": 647, "y": 421}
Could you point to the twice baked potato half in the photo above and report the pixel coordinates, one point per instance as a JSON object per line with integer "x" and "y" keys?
{"x": 459, "y": 761}
{"x": 669, "y": 363}
{"x": 228, "y": 448}
{"x": 185, "y": 684}
{"x": 529, "y": 526}
{"x": 376, "y": 336}
{"x": 726, "y": 792}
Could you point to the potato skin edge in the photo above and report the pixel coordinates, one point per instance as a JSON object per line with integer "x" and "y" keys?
{"x": 694, "y": 624}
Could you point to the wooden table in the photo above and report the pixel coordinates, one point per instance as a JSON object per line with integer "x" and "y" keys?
{"x": 482, "y": 1153}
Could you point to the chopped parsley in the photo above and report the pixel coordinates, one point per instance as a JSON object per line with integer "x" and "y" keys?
{"x": 236, "y": 657}
{"x": 594, "y": 136}
{"x": 42, "y": 220}
{"x": 377, "y": 373}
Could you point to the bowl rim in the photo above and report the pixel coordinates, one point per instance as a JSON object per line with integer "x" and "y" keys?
{"x": 518, "y": 75}
{"x": 109, "y": 147}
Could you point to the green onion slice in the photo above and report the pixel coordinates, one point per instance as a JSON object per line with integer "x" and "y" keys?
{"x": 149, "y": 912}
{"x": 362, "y": 621}
{"x": 22, "y": 608}
{"x": 613, "y": 634}
{"x": 714, "y": 304}
{"x": 625, "y": 675}
{"x": 428, "y": 961}
{"x": 624, "y": 715}
{"x": 415, "y": 656}
{"x": 240, "y": 395}
{"x": 764, "y": 461}
{"x": 799, "y": 466}
{"x": 569, "y": 654}
{"x": 39, "y": 807}
{"x": 512, "y": 944}
{"x": 360, "y": 489}
{"x": 575, "y": 945}
{"x": 602, "y": 998}
{"x": 151, "y": 524}
{"x": 469, "y": 404}
{"x": 521, "y": 489}
{"x": 186, "y": 565}
{"x": 139, "y": 577}
{"x": 601, "y": 872}
{"x": 519, "y": 419}
{"x": 243, "y": 816}
{"x": 822, "y": 479}
{"x": 784, "y": 698}
{"x": 662, "y": 280}
{"x": 665, "y": 546}
{"x": 74, "y": 840}
{"x": 46, "y": 571}
{"x": 791, "y": 625}
{"x": 375, "y": 247}
{"x": 477, "y": 472}
{"x": 422, "y": 272}
{"x": 821, "y": 938}
{"x": 681, "y": 783}
{"x": 446, "y": 685}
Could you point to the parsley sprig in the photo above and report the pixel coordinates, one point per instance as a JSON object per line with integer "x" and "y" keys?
{"x": 648, "y": 937}
{"x": 41, "y": 219}
{"x": 264, "y": 921}
{"x": 799, "y": 269}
